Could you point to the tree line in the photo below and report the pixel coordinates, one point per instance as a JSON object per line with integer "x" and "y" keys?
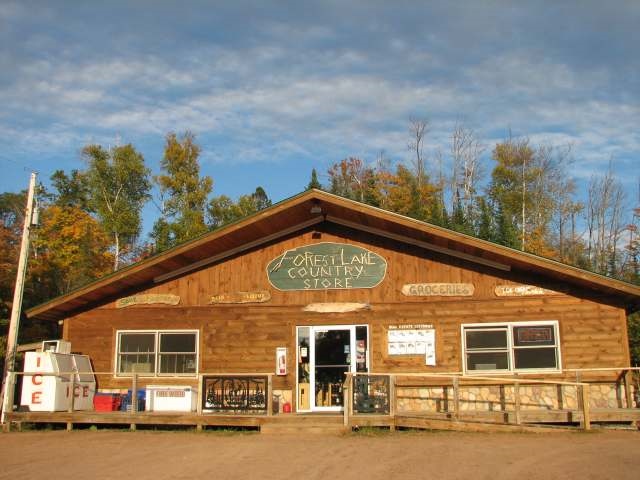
{"x": 90, "y": 221}
{"x": 522, "y": 195}
{"x": 518, "y": 194}
{"x": 525, "y": 198}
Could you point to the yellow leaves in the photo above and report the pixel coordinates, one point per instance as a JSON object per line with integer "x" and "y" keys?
{"x": 71, "y": 247}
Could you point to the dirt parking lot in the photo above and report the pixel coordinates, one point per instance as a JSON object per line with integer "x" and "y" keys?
{"x": 365, "y": 456}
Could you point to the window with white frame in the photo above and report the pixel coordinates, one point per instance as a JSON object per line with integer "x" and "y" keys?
{"x": 511, "y": 347}
{"x": 157, "y": 352}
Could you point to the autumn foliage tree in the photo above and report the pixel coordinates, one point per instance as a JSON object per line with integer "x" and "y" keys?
{"x": 70, "y": 249}
{"x": 11, "y": 220}
{"x": 351, "y": 178}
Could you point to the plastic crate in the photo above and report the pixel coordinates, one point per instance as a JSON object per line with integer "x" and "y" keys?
{"x": 125, "y": 403}
{"x": 106, "y": 402}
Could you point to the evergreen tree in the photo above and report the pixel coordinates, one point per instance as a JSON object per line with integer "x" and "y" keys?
{"x": 314, "y": 182}
{"x": 459, "y": 221}
{"x": 439, "y": 215}
{"x": 505, "y": 233}
{"x": 260, "y": 200}
{"x": 484, "y": 228}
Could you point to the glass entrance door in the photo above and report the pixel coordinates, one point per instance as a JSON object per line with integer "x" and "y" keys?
{"x": 325, "y": 355}
{"x": 332, "y": 360}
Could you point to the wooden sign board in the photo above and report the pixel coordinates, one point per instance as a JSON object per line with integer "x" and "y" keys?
{"x": 336, "y": 307}
{"x": 438, "y": 289}
{"x": 148, "y": 299}
{"x": 326, "y": 266}
{"x": 522, "y": 291}
{"x": 259, "y": 296}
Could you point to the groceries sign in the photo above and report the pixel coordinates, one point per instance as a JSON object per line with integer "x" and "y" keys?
{"x": 325, "y": 266}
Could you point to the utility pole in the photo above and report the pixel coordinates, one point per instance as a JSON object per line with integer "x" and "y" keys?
{"x": 16, "y": 307}
{"x": 524, "y": 191}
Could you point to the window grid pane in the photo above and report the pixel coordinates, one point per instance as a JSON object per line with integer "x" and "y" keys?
{"x": 177, "y": 363}
{"x": 494, "y": 339}
{"x": 533, "y": 336}
{"x": 178, "y": 342}
{"x": 525, "y": 358}
{"x": 137, "y": 342}
{"x": 174, "y": 353}
{"x": 488, "y": 360}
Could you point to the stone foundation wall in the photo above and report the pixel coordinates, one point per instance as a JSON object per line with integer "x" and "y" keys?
{"x": 501, "y": 398}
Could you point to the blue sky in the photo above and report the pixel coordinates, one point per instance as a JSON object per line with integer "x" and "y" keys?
{"x": 274, "y": 89}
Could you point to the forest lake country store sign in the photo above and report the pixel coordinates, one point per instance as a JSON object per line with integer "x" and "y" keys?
{"x": 324, "y": 266}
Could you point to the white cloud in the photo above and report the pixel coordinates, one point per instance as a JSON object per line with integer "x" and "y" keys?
{"x": 290, "y": 91}
{"x": 11, "y": 11}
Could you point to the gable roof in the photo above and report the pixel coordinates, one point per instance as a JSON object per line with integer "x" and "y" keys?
{"x": 311, "y": 208}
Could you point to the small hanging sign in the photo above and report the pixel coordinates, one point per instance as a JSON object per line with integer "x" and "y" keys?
{"x": 259, "y": 296}
{"x": 340, "y": 307}
{"x": 522, "y": 291}
{"x": 148, "y": 299}
{"x": 438, "y": 289}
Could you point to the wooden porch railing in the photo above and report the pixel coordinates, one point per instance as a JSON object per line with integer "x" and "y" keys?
{"x": 386, "y": 396}
{"x": 73, "y": 379}
{"x": 457, "y": 381}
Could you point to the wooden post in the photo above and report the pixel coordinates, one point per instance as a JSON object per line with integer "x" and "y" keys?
{"x": 578, "y": 389}
{"x": 134, "y": 399}
{"x": 71, "y": 400}
{"x": 269, "y": 396}
{"x": 516, "y": 395}
{"x": 559, "y": 391}
{"x": 351, "y": 399}
{"x": 628, "y": 388}
{"x": 202, "y": 394}
{"x": 392, "y": 401}
{"x": 456, "y": 397}
{"x": 71, "y": 393}
{"x": 346, "y": 390}
{"x": 134, "y": 393}
{"x": 586, "y": 413}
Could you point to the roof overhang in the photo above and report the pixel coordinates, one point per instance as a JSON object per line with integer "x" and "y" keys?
{"x": 304, "y": 211}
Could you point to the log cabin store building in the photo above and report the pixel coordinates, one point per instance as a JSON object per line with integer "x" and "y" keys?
{"x": 291, "y": 301}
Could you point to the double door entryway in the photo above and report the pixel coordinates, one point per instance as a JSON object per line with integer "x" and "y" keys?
{"x": 325, "y": 354}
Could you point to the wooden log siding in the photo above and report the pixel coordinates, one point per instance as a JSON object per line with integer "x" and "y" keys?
{"x": 406, "y": 264}
{"x": 243, "y": 338}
